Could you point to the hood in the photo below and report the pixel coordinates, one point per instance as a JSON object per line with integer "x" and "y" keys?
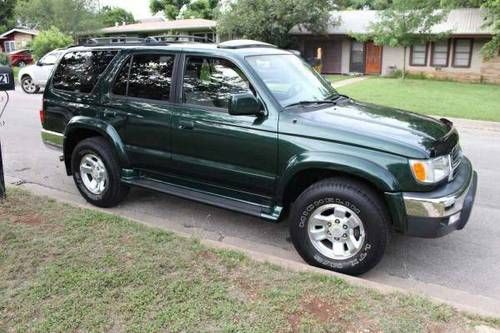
{"x": 377, "y": 127}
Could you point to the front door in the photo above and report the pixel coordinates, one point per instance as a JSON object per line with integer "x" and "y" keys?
{"x": 209, "y": 144}
{"x": 373, "y": 63}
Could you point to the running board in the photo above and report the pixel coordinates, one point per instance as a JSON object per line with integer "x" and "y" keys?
{"x": 262, "y": 211}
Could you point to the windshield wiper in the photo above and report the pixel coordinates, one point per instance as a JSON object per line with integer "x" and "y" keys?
{"x": 311, "y": 102}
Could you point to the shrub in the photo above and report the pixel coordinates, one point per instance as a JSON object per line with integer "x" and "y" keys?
{"x": 49, "y": 40}
{"x": 4, "y": 58}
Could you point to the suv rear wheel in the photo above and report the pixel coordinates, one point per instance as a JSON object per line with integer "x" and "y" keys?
{"x": 96, "y": 172}
{"x": 28, "y": 85}
{"x": 341, "y": 225}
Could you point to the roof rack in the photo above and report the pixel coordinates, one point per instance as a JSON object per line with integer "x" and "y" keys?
{"x": 244, "y": 43}
{"x": 151, "y": 40}
{"x": 177, "y": 39}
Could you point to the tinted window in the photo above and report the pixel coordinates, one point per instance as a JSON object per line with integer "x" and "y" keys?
{"x": 80, "y": 71}
{"x": 211, "y": 82}
{"x": 120, "y": 86}
{"x": 150, "y": 76}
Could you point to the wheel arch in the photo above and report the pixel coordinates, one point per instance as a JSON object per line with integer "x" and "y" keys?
{"x": 307, "y": 169}
{"x": 80, "y": 128}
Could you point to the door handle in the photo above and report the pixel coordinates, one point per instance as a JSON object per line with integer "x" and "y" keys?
{"x": 186, "y": 124}
{"x": 109, "y": 114}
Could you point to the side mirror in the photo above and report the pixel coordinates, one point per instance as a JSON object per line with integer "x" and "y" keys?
{"x": 39, "y": 63}
{"x": 6, "y": 78}
{"x": 244, "y": 104}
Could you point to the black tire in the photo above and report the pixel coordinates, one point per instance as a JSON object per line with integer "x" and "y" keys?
{"x": 23, "y": 81}
{"x": 359, "y": 198}
{"x": 115, "y": 190}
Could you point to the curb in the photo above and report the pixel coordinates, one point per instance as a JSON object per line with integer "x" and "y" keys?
{"x": 264, "y": 257}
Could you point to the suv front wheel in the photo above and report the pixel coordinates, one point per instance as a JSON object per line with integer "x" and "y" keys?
{"x": 341, "y": 225}
{"x": 96, "y": 173}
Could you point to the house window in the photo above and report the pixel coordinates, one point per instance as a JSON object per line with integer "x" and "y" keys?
{"x": 439, "y": 53}
{"x": 462, "y": 52}
{"x": 9, "y": 46}
{"x": 418, "y": 55}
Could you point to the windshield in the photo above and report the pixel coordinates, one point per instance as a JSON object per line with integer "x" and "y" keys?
{"x": 290, "y": 79}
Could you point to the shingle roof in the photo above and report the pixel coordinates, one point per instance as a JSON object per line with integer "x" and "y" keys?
{"x": 187, "y": 24}
{"x": 463, "y": 21}
{"x": 21, "y": 30}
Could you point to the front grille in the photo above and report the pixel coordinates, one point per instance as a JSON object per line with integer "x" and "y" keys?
{"x": 456, "y": 156}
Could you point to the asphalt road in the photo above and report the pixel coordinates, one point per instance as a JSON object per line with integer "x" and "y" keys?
{"x": 462, "y": 267}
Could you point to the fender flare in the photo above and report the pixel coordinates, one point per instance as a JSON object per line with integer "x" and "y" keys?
{"x": 373, "y": 173}
{"x": 102, "y": 128}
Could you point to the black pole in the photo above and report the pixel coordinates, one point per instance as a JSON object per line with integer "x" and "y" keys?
{"x": 2, "y": 179}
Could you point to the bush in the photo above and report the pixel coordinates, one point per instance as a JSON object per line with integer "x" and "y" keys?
{"x": 4, "y": 58}
{"x": 49, "y": 40}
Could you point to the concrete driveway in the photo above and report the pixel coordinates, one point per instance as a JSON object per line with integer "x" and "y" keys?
{"x": 463, "y": 267}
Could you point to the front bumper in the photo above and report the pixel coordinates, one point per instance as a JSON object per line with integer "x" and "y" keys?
{"x": 437, "y": 213}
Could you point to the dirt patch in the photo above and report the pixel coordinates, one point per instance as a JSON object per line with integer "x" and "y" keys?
{"x": 29, "y": 219}
{"x": 294, "y": 321}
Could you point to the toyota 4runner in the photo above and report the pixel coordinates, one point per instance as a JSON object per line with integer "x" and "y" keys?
{"x": 249, "y": 127}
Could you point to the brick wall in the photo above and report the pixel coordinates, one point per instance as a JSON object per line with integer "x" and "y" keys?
{"x": 490, "y": 70}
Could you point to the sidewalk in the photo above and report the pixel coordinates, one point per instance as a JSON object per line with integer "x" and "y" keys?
{"x": 342, "y": 83}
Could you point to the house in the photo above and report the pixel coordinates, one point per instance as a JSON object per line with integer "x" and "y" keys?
{"x": 158, "y": 26}
{"x": 16, "y": 39}
{"x": 456, "y": 57}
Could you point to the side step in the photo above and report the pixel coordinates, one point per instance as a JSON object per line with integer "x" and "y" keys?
{"x": 265, "y": 212}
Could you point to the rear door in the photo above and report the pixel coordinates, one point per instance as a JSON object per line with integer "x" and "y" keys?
{"x": 139, "y": 106}
{"x": 209, "y": 144}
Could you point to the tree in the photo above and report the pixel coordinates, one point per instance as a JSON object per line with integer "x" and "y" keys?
{"x": 7, "y": 20}
{"x": 174, "y": 9}
{"x": 111, "y": 15}
{"x": 49, "y": 40}
{"x": 170, "y": 8}
{"x": 492, "y": 48}
{"x": 406, "y": 23}
{"x": 206, "y": 9}
{"x": 271, "y": 21}
{"x": 69, "y": 16}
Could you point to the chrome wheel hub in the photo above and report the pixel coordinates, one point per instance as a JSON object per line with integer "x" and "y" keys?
{"x": 336, "y": 231}
{"x": 94, "y": 174}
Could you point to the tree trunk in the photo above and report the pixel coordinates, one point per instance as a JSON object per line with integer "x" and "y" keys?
{"x": 404, "y": 64}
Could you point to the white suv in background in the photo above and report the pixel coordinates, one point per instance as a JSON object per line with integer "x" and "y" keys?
{"x": 35, "y": 76}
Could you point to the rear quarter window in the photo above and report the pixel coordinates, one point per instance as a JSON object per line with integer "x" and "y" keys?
{"x": 79, "y": 71}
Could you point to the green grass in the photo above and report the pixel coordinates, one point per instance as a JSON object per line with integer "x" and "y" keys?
{"x": 16, "y": 71}
{"x": 65, "y": 269}
{"x": 440, "y": 98}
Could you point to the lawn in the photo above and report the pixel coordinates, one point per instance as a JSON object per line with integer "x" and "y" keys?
{"x": 440, "y": 98}
{"x": 66, "y": 269}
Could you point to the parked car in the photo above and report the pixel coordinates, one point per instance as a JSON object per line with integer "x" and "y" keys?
{"x": 249, "y": 127}
{"x": 20, "y": 58}
{"x": 34, "y": 77}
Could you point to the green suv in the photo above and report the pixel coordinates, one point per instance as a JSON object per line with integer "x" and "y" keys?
{"x": 252, "y": 128}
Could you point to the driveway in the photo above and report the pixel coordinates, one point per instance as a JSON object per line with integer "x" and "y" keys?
{"x": 462, "y": 267}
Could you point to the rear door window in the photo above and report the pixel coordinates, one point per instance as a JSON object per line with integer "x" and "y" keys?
{"x": 79, "y": 71}
{"x": 146, "y": 76}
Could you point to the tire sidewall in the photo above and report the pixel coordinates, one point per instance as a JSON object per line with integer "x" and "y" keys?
{"x": 375, "y": 232}
{"x": 22, "y": 85}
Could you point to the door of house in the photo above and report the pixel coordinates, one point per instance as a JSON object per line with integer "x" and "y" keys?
{"x": 373, "y": 63}
{"x": 331, "y": 54}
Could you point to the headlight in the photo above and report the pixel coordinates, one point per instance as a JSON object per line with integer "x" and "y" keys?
{"x": 431, "y": 171}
